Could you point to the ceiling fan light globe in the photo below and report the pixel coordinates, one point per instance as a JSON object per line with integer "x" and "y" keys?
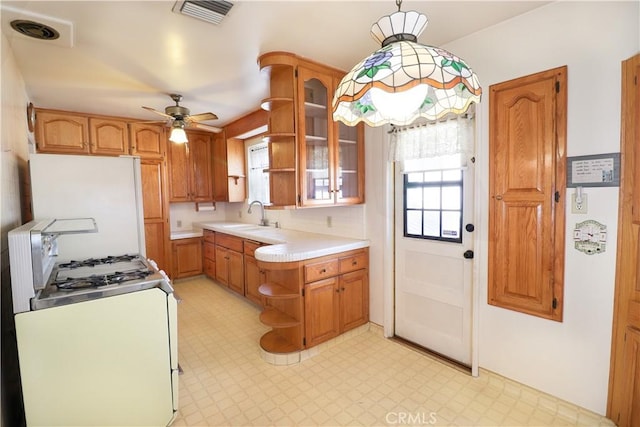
{"x": 178, "y": 135}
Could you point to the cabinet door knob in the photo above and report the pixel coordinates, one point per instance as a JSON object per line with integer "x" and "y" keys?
{"x": 354, "y": 262}
{"x": 324, "y": 270}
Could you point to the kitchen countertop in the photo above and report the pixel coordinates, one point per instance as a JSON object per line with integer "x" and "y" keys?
{"x": 185, "y": 234}
{"x": 286, "y": 245}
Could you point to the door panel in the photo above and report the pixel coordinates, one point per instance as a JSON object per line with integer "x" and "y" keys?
{"x": 526, "y": 171}
{"x": 624, "y": 384}
{"x": 321, "y": 311}
{"x": 433, "y": 283}
{"x": 354, "y": 310}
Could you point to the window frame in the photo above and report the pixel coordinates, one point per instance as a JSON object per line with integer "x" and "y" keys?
{"x": 433, "y": 184}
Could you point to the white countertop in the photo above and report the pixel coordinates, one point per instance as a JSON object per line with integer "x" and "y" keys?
{"x": 185, "y": 234}
{"x": 286, "y": 245}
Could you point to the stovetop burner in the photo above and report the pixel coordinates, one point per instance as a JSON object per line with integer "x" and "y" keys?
{"x": 91, "y": 262}
{"x": 95, "y": 281}
{"x": 78, "y": 281}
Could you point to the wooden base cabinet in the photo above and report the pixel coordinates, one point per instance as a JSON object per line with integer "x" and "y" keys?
{"x": 187, "y": 257}
{"x": 229, "y": 262}
{"x": 337, "y": 304}
{"x": 254, "y": 276}
{"x": 209, "y": 253}
{"x": 309, "y": 302}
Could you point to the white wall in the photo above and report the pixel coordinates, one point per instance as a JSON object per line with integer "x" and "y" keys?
{"x": 186, "y": 214}
{"x": 13, "y": 163}
{"x": 569, "y": 359}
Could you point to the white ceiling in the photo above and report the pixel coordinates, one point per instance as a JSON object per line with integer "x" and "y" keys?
{"x": 126, "y": 54}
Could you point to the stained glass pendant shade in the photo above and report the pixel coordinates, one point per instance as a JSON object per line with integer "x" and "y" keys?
{"x": 404, "y": 80}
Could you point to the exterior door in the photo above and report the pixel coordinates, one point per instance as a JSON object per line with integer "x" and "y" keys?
{"x": 624, "y": 386}
{"x": 433, "y": 272}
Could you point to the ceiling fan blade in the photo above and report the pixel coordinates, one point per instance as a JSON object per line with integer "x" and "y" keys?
{"x": 202, "y": 117}
{"x": 205, "y": 127}
{"x": 153, "y": 110}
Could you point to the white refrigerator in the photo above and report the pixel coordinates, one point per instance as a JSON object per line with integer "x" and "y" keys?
{"x": 107, "y": 189}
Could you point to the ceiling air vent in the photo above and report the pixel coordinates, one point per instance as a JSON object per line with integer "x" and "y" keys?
{"x": 34, "y": 29}
{"x": 207, "y": 10}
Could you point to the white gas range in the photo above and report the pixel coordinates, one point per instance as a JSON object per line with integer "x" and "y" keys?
{"x": 97, "y": 337}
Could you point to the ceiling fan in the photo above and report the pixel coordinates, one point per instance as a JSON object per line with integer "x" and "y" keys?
{"x": 180, "y": 118}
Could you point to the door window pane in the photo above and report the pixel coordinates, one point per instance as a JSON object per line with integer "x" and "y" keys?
{"x": 433, "y": 205}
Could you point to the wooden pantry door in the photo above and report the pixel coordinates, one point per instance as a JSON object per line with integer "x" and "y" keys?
{"x": 624, "y": 378}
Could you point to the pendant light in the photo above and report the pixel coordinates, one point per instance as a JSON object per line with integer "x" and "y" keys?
{"x": 404, "y": 80}
{"x": 178, "y": 135}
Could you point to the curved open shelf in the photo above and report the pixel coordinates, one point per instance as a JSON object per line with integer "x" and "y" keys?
{"x": 274, "y": 343}
{"x": 269, "y": 104}
{"x": 277, "y": 319}
{"x": 275, "y": 291}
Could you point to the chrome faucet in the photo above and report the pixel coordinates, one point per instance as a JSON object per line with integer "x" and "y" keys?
{"x": 263, "y": 221}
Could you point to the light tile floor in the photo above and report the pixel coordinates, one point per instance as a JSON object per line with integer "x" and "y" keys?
{"x": 361, "y": 380}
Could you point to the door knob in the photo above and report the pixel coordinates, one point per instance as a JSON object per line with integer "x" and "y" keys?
{"x": 469, "y": 227}
{"x": 468, "y": 254}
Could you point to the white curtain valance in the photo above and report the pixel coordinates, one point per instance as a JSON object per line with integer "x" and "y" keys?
{"x": 436, "y": 139}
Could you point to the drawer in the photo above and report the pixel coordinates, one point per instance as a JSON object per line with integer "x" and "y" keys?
{"x": 209, "y": 251}
{"x": 354, "y": 262}
{"x": 209, "y": 236}
{"x": 250, "y": 247}
{"x": 230, "y": 242}
{"x": 320, "y": 270}
{"x": 209, "y": 268}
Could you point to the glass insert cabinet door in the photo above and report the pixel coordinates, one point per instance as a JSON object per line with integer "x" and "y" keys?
{"x": 316, "y": 133}
{"x": 330, "y": 153}
{"x": 348, "y": 170}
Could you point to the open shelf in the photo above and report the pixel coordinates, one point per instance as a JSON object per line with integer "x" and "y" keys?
{"x": 275, "y": 291}
{"x": 269, "y": 104}
{"x": 275, "y": 343}
{"x": 279, "y": 136}
{"x": 277, "y": 319}
{"x": 276, "y": 170}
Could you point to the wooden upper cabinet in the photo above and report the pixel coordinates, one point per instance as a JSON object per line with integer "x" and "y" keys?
{"x": 527, "y": 139}
{"x": 179, "y": 186}
{"x": 313, "y": 160}
{"x": 72, "y": 133}
{"x": 229, "y": 183}
{"x": 200, "y": 159}
{"x": 190, "y": 174}
{"x": 148, "y": 141}
{"x": 108, "y": 136}
{"x": 61, "y": 132}
{"x": 152, "y": 177}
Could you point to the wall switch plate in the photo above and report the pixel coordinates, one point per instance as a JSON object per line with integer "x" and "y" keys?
{"x": 579, "y": 208}
{"x": 329, "y": 221}
{"x": 179, "y": 223}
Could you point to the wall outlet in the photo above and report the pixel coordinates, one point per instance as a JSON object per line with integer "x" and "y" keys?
{"x": 179, "y": 223}
{"x": 240, "y": 214}
{"x": 579, "y": 208}
{"x": 329, "y": 221}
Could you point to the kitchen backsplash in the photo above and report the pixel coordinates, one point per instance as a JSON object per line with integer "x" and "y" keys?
{"x": 344, "y": 221}
{"x": 183, "y": 215}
